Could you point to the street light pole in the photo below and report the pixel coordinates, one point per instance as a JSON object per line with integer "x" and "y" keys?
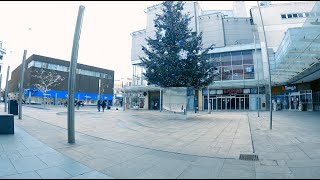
{"x": 124, "y": 98}
{"x": 160, "y": 100}
{"x": 0, "y": 80}
{"x": 266, "y": 48}
{"x": 209, "y": 107}
{"x": 21, "y": 83}
{"x": 6, "y": 91}
{"x": 99, "y": 92}
{"x": 72, "y": 76}
{"x": 255, "y": 57}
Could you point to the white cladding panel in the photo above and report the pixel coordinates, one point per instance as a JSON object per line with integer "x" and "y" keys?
{"x": 212, "y": 28}
{"x": 189, "y": 6}
{"x": 138, "y": 39}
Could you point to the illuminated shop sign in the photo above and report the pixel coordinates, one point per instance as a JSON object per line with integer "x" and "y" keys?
{"x": 232, "y": 91}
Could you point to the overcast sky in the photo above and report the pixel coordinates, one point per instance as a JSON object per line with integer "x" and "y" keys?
{"x": 47, "y": 28}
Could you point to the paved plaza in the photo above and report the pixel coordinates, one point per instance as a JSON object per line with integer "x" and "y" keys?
{"x": 153, "y": 144}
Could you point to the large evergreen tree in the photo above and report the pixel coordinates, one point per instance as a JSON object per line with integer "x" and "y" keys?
{"x": 175, "y": 58}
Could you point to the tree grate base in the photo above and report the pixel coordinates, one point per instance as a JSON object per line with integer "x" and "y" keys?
{"x": 249, "y": 157}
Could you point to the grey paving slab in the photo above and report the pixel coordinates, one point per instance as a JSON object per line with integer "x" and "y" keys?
{"x": 121, "y": 156}
{"x": 172, "y": 155}
{"x": 53, "y": 173}
{"x": 6, "y": 168}
{"x": 26, "y": 175}
{"x": 30, "y": 163}
{"x": 293, "y": 142}
{"x": 55, "y": 159}
{"x": 99, "y": 163}
{"x": 306, "y": 172}
{"x": 75, "y": 169}
{"x": 92, "y": 175}
{"x": 237, "y": 167}
{"x": 14, "y": 146}
{"x": 298, "y": 155}
{"x": 275, "y": 176}
{"x": 75, "y": 154}
{"x": 10, "y": 154}
{"x": 272, "y": 169}
{"x": 267, "y": 163}
{"x": 37, "y": 151}
{"x": 236, "y": 174}
{"x": 303, "y": 163}
{"x": 165, "y": 168}
{"x": 33, "y": 144}
{"x": 198, "y": 172}
{"x": 132, "y": 168}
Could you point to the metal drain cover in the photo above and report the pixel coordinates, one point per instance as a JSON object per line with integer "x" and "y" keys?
{"x": 249, "y": 157}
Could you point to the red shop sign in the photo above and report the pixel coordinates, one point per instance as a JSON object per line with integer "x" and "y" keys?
{"x": 232, "y": 91}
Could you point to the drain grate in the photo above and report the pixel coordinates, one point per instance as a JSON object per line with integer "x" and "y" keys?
{"x": 249, "y": 157}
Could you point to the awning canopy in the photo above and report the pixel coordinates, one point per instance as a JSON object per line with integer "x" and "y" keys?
{"x": 299, "y": 52}
{"x": 138, "y": 88}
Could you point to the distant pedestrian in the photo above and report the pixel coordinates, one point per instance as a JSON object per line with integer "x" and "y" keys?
{"x": 103, "y": 104}
{"x": 78, "y": 105}
{"x": 99, "y": 105}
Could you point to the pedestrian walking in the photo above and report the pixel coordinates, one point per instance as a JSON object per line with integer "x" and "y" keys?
{"x": 103, "y": 104}
{"x": 99, "y": 105}
{"x": 78, "y": 105}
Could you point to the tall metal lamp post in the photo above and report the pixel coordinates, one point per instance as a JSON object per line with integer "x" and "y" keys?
{"x": 258, "y": 85}
{"x": 72, "y": 75}
{"x": 6, "y": 91}
{"x": 21, "y": 90}
{"x": 266, "y": 48}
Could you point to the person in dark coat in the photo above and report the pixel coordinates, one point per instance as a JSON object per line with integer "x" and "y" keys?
{"x": 99, "y": 105}
{"x": 103, "y": 104}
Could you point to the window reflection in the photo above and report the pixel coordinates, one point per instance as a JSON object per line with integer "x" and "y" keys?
{"x": 236, "y": 65}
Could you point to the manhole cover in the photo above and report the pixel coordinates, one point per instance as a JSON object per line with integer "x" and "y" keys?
{"x": 249, "y": 157}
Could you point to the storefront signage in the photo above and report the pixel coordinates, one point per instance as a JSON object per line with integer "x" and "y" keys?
{"x": 290, "y": 88}
{"x": 246, "y": 91}
{"x": 254, "y": 90}
{"x": 212, "y": 92}
{"x": 232, "y": 91}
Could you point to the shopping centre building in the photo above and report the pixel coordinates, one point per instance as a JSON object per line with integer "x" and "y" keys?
{"x": 292, "y": 32}
{"x": 91, "y": 82}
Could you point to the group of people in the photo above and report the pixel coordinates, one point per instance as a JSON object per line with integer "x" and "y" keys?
{"x": 102, "y": 104}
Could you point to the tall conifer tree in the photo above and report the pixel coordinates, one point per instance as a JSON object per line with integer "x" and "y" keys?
{"x": 175, "y": 57}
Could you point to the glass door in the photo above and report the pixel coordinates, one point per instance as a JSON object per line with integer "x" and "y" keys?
{"x": 223, "y": 104}
{"x": 233, "y": 103}
{"x": 228, "y": 102}
{"x": 241, "y": 103}
{"x": 219, "y": 103}
{"x": 214, "y": 104}
{"x": 246, "y": 102}
{"x": 237, "y": 103}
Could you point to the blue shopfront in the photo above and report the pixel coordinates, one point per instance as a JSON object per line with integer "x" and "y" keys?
{"x": 55, "y": 97}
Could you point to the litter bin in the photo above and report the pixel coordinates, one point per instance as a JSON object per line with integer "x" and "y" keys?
{"x": 13, "y": 107}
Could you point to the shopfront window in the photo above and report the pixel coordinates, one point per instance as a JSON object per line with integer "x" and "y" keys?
{"x": 138, "y": 77}
{"x": 225, "y": 59}
{"x": 236, "y": 65}
{"x": 248, "y": 72}
{"x": 237, "y": 72}
{"x": 226, "y": 73}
